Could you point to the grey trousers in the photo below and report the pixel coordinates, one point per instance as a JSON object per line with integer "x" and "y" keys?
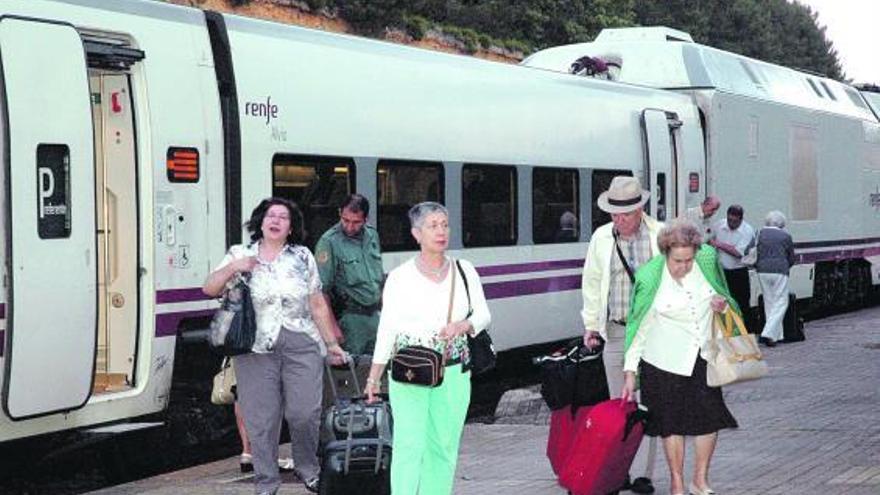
{"x": 612, "y": 357}
{"x": 288, "y": 380}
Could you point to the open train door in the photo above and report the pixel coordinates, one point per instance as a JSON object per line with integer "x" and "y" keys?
{"x": 661, "y": 162}
{"x": 49, "y": 204}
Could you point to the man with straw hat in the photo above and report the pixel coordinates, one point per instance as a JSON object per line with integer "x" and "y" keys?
{"x": 617, "y": 249}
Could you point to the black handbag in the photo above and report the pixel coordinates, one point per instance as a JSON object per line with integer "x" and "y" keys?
{"x": 234, "y": 326}
{"x": 573, "y": 376}
{"x": 418, "y": 365}
{"x": 480, "y": 347}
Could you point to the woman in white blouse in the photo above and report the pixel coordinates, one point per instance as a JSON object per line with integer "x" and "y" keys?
{"x": 673, "y": 306}
{"x": 428, "y": 421}
{"x": 284, "y": 373}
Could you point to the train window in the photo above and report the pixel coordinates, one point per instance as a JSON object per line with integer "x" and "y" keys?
{"x": 856, "y": 99}
{"x": 555, "y": 203}
{"x": 53, "y": 191}
{"x": 401, "y": 184}
{"x": 601, "y": 180}
{"x": 488, "y": 209}
{"x": 828, "y": 90}
{"x": 317, "y": 184}
{"x": 815, "y": 88}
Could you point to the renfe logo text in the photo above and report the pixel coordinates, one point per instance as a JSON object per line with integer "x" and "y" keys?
{"x": 259, "y": 109}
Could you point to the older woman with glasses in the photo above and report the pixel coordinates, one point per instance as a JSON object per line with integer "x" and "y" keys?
{"x": 674, "y": 300}
{"x": 284, "y": 372}
{"x": 416, "y": 306}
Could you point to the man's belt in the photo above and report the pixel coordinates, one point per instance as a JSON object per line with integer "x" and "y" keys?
{"x": 361, "y": 310}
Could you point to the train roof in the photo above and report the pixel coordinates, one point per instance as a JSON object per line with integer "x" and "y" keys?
{"x": 666, "y": 58}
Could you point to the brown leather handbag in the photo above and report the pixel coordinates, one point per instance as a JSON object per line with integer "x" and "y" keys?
{"x": 418, "y": 365}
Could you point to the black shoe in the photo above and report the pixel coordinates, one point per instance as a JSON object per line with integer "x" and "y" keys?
{"x": 767, "y": 342}
{"x": 641, "y": 485}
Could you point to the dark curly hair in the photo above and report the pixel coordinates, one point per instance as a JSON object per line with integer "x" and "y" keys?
{"x": 254, "y": 225}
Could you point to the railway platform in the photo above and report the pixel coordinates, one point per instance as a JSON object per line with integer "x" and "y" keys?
{"x": 812, "y": 427}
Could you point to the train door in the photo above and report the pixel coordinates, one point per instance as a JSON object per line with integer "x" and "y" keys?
{"x": 661, "y": 163}
{"x": 49, "y": 194}
{"x": 117, "y": 229}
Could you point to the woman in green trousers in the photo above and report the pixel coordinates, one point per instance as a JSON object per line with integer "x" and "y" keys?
{"x": 425, "y": 303}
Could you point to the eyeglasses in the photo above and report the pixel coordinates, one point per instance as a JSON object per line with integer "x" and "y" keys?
{"x": 279, "y": 217}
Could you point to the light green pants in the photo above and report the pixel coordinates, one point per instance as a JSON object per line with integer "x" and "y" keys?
{"x": 427, "y": 431}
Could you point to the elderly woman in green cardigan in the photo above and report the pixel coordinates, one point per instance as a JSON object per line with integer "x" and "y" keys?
{"x": 671, "y": 316}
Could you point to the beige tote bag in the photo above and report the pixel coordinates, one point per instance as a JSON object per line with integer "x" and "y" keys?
{"x": 224, "y": 383}
{"x": 732, "y": 358}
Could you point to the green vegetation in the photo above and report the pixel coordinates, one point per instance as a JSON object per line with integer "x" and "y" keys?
{"x": 772, "y": 30}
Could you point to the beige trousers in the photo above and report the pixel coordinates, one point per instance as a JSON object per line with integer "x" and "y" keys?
{"x": 612, "y": 356}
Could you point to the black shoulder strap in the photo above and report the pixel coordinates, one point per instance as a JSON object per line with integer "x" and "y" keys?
{"x": 626, "y": 266}
{"x": 467, "y": 289}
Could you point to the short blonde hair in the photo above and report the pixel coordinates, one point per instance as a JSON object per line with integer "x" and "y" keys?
{"x": 680, "y": 233}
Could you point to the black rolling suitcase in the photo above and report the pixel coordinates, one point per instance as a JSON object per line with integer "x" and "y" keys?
{"x": 352, "y": 416}
{"x": 792, "y": 324}
{"x": 357, "y": 458}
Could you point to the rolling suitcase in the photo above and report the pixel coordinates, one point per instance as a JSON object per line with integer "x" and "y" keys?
{"x": 792, "y": 324}
{"x": 563, "y": 424}
{"x": 357, "y": 457}
{"x": 572, "y": 379}
{"x": 356, "y": 465}
{"x": 352, "y": 415}
{"x": 603, "y": 448}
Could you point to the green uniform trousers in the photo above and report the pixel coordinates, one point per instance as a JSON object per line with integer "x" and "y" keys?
{"x": 359, "y": 331}
{"x": 427, "y": 430}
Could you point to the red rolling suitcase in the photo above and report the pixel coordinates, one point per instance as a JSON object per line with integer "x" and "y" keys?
{"x": 603, "y": 448}
{"x": 563, "y": 425}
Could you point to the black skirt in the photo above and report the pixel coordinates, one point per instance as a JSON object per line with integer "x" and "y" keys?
{"x": 682, "y": 405}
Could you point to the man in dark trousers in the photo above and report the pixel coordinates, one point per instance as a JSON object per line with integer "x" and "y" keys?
{"x": 350, "y": 265}
{"x": 732, "y": 237}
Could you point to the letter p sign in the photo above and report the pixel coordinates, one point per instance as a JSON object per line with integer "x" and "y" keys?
{"x": 47, "y": 188}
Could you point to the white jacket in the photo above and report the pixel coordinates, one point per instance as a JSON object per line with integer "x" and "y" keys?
{"x": 596, "y": 279}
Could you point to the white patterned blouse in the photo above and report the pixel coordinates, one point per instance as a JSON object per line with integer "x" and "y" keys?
{"x": 280, "y": 290}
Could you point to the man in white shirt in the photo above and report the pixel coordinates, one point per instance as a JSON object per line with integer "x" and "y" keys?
{"x": 732, "y": 237}
{"x": 701, "y": 216}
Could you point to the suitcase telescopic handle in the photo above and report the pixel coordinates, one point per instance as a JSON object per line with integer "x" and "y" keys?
{"x": 350, "y": 361}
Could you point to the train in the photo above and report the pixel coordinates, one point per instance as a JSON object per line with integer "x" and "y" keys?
{"x": 136, "y": 137}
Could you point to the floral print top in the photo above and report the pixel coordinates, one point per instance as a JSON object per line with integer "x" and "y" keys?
{"x": 280, "y": 290}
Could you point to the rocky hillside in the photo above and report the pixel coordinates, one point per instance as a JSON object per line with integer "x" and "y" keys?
{"x": 299, "y": 13}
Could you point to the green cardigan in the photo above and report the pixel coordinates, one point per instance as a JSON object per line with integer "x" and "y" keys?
{"x": 648, "y": 279}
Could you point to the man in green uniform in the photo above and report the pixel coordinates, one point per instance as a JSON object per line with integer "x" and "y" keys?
{"x": 350, "y": 266}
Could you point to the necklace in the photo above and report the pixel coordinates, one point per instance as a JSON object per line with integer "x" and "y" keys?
{"x": 433, "y": 272}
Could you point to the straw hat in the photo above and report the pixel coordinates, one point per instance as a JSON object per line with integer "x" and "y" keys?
{"x": 625, "y": 194}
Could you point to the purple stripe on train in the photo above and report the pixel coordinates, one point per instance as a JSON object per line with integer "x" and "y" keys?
{"x": 514, "y": 288}
{"x": 840, "y": 254}
{"x": 540, "y": 266}
{"x": 167, "y": 323}
{"x": 2, "y": 341}
{"x": 181, "y": 295}
{"x": 2, "y": 311}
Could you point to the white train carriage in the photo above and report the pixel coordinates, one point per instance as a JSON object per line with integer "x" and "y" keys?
{"x": 137, "y": 136}
{"x": 776, "y": 139}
